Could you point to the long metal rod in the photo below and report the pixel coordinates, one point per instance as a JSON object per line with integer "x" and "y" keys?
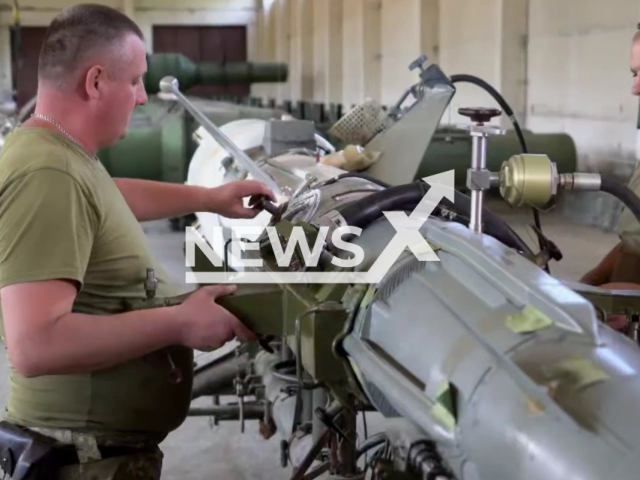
{"x": 228, "y": 412}
{"x": 311, "y": 455}
{"x": 171, "y": 85}
{"x": 478, "y": 162}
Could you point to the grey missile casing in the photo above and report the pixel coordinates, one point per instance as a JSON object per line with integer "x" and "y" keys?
{"x": 435, "y": 322}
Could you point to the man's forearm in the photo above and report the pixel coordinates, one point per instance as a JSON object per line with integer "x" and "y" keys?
{"x": 602, "y": 272}
{"x": 149, "y": 200}
{"x": 78, "y": 343}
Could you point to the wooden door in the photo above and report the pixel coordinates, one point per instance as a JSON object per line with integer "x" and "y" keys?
{"x": 205, "y": 44}
{"x": 200, "y": 44}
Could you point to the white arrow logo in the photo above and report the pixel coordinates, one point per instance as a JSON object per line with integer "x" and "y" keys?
{"x": 407, "y": 236}
{"x": 407, "y": 228}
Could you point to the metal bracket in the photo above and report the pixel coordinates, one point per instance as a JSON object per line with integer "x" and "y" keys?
{"x": 478, "y": 179}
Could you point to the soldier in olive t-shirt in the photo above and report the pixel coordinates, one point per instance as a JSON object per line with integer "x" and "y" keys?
{"x": 627, "y": 267}
{"x": 63, "y": 217}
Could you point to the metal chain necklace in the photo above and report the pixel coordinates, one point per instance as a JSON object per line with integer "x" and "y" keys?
{"x": 59, "y": 127}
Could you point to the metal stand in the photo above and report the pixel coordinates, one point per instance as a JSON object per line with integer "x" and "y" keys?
{"x": 478, "y": 177}
{"x": 478, "y": 164}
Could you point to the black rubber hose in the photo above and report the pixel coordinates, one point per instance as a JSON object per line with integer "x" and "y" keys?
{"x": 623, "y": 193}
{"x": 363, "y": 176}
{"x": 506, "y": 108}
{"x": 365, "y": 211}
{"x": 371, "y": 442}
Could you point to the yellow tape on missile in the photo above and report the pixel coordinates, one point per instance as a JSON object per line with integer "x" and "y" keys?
{"x": 576, "y": 373}
{"x": 530, "y": 319}
{"x": 368, "y": 297}
{"x": 444, "y": 409}
{"x": 421, "y": 248}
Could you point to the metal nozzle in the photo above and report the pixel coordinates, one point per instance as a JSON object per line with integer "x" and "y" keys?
{"x": 169, "y": 84}
{"x": 581, "y": 181}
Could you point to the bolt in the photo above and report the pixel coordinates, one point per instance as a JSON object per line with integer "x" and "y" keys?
{"x": 151, "y": 283}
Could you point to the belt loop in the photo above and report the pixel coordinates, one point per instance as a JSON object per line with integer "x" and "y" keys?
{"x": 86, "y": 447}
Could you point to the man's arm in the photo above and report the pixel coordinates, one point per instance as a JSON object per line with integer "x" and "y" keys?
{"x": 149, "y": 200}
{"x": 44, "y": 337}
{"x": 601, "y": 274}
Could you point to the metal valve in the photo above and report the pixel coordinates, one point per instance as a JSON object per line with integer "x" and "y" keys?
{"x": 479, "y": 115}
{"x": 419, "y": 63}
{"x": 478, "y": 177}
{"x": 534, "y": 180}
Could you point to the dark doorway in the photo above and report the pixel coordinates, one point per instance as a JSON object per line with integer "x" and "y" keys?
{"x": 24, "y": 62}
{"x": 200, "y": 44}
{"x": 205, "y": 44}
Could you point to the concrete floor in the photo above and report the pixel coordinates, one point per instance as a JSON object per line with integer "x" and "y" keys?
{"x": 198, "y": 451}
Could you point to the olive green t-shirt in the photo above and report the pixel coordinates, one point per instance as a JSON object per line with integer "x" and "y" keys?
{"x": 628, "y": 226}
{"x": 62, "y": 216}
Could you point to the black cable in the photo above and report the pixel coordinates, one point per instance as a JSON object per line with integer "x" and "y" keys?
{"x": 363, "y": 176}
{"x": 514, "y": 121}
{"x": 622, "y": 193}
{"x": 365, "y": 211}
{"x": 372, "y": 442}
{"x": 364, "y": 428}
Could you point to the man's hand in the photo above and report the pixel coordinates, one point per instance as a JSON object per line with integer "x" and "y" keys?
{"x": 206, "y": 325}
{"x": 44, "y": 337}
{"x": 601, "y": 274}
{"x": 619, "y": 322}
{"x": 227, "y": 200}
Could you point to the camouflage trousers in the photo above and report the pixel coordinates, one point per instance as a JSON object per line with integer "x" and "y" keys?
{"x": 144, "y": 464}
{"x": 141, "y": 466}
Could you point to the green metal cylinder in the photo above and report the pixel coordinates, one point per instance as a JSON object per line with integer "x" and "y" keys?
{"x": 155, "y": 147}
{"x": 190, "y": 74}
{"x": 159, "y": 144}
{"x": 451, "y": 148}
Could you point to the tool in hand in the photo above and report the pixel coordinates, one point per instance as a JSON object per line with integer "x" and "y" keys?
{"x": 262, "y": 202}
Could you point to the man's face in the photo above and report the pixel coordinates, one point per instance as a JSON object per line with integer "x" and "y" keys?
{"x": 124, "y": 91}
{"x": 635, "y": 68}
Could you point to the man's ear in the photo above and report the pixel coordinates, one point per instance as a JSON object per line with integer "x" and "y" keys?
{"x": 94, "y": 80}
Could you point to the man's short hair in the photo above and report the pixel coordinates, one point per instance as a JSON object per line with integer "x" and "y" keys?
{"x": 75, "y": 34}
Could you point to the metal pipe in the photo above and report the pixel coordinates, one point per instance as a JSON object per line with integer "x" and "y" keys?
{"x": 170, "y": 85}
{"x": 217, "y": 378}
{"x": 478, "y": 162}
{"x": 581, "y": 181}
{"x": 495, "y": 179}
{"x": 229, "y": 412}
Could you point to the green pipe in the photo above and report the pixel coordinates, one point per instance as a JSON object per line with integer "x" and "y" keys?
{"x": 451, "y": 148}
{"x": 191, "y": 74}
{"x": 159, "y": 145}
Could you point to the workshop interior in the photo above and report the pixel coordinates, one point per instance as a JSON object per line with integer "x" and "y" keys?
{"x": 483, "y": 365}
